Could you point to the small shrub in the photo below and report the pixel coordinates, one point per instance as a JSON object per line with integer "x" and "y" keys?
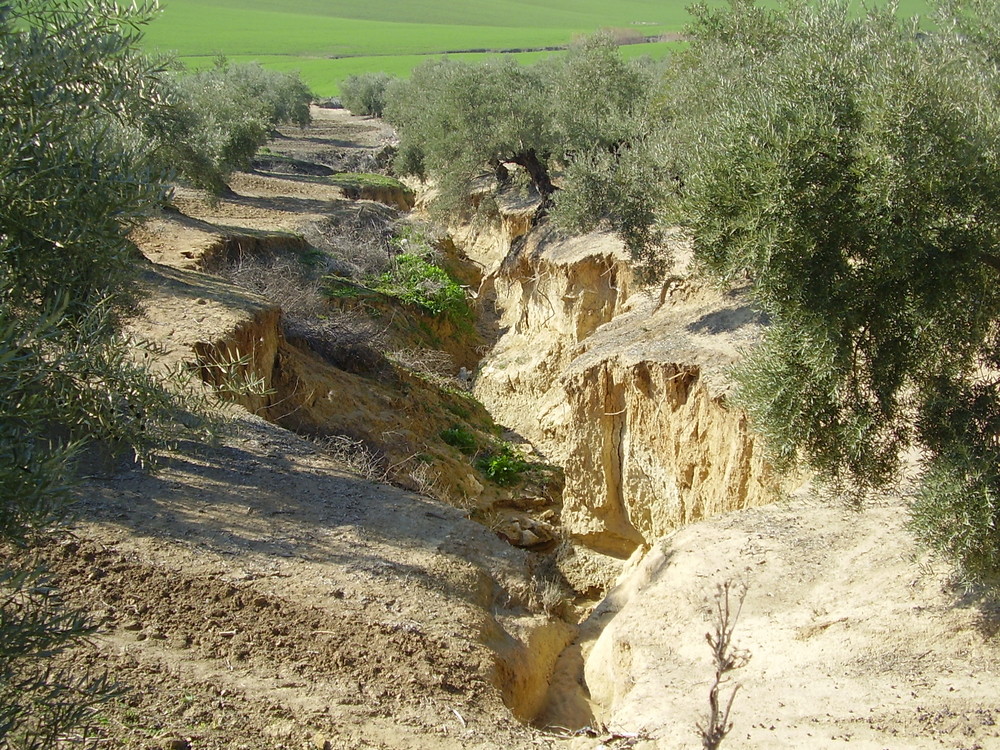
{"x": 359, "y": 185}
{"x": 358, "y": 456}
{"x": 420, "y": 282}
{"x": 425, "y": 480}
{"x": 358, "y": 244}
{"x": 726, "y": 657}
{"x": 430, "y": 365}
{"x": 459, "y": 410}
{"x": 461, "y": 438}
{"x": 504, "y": 466}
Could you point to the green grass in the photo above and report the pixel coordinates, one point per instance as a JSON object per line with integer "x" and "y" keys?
{"x": 382, "y": 27}
{"x": 515, "y": 13}
{"x": 328, "y": 40}
{"x": 364, "y": 179}
{"x": 325, "y": 74}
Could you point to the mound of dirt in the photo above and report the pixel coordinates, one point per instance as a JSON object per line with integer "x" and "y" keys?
{"x": 853, "y": 636}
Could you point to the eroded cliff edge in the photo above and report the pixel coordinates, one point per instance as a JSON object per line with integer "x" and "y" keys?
{"x": 622, "y": 385}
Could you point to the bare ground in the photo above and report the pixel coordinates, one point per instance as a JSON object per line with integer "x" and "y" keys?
{"x": 854, "y": 636}
{"x": 255, "y": 594}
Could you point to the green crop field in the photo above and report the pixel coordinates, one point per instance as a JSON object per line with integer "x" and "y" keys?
{"x": 324, "y": 74}
{"x": 327, "y": 40}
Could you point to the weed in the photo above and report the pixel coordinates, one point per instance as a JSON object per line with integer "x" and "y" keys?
{"x": 418, "y": 281}
{"x": 356, "y": 455}
{"x": 503, "y": 466}
{"x": 312, "y": 258}
{"x": 337, "y": 288}
{"x": 461, "y": 438}
{"x": 727, "y": 605}
{"x": 458, "y": 410}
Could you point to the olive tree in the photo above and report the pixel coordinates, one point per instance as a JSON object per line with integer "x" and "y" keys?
{"x": 575, "y": 127}
{"x": 75, "y": 177}
{"x": 848, "y": 168}
{"x": 74, "y": 100}
{"x": 218, "y": 118}
{"x": 458, "y": 121}
{"x": 364, "y": 94}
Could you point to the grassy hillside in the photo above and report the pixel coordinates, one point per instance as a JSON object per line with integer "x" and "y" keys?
{"x": 326, "y": 40}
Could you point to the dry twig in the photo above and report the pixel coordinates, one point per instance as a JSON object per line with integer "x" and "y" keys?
{"x": 728, "y": 604}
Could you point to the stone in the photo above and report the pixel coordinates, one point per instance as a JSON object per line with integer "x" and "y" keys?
{"x": 510, "y": 530}
{"x": 529, "y": 539}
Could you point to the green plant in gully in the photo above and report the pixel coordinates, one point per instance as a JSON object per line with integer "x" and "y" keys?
{"x": 461, "y": 438}
{"x": 414, "y": 276}
{"x": 418, "y": 281}
{"x": 502, "y": 464}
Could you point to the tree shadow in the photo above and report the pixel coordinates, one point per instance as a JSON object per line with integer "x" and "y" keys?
{"x": 291, "y": 204}
{"x": 729, "y": 320}
{"x": 985, "y": 599}
{"x": 268, "y": 495}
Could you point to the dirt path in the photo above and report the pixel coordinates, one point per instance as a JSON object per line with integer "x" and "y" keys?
{"x": 255, "y": 594}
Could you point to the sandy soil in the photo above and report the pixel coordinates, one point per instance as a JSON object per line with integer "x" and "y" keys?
{"x": 853, "y": 635}
{"x": 255, "y": 594}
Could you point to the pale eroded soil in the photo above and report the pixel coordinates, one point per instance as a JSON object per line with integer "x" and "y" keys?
{"x": 855, "y": 638}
